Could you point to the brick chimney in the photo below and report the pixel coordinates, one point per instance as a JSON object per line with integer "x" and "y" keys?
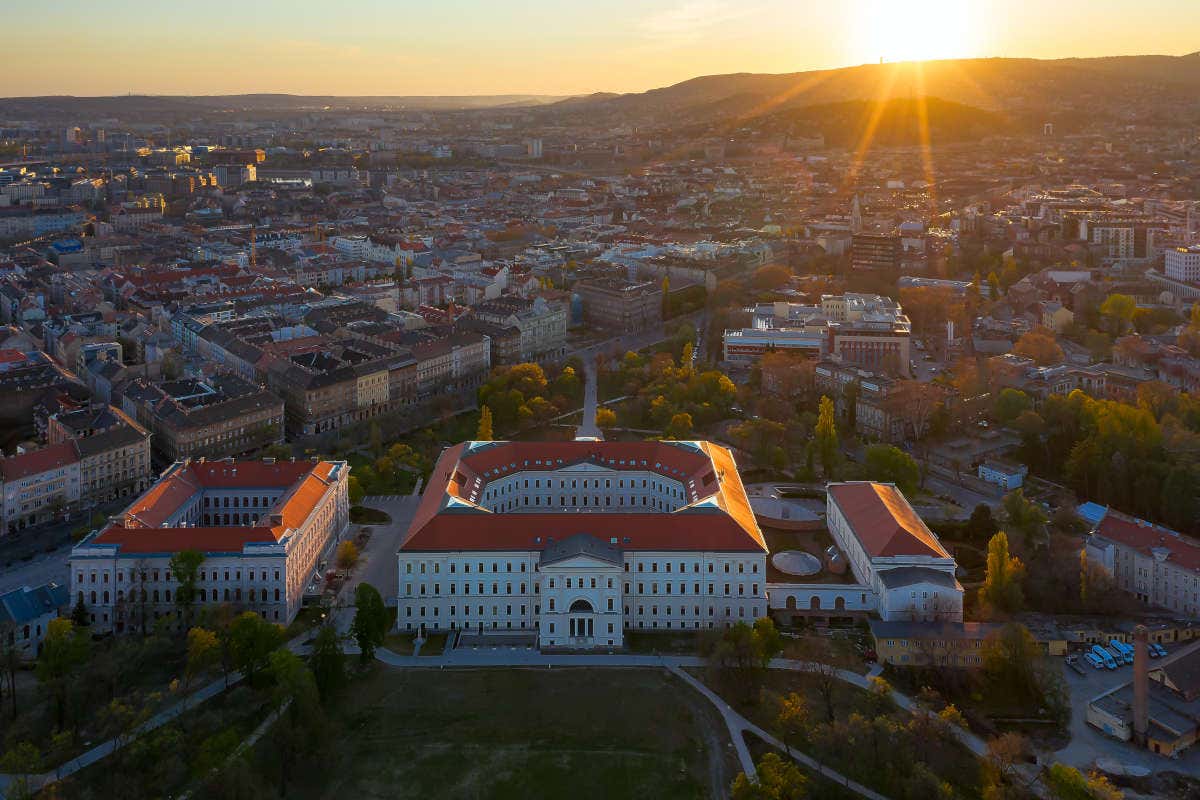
{"x": 1141, "y": 685}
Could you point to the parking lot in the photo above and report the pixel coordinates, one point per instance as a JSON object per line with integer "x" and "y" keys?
{"x": 1089, "y": 744}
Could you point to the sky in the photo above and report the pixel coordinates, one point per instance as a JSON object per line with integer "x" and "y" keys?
{"x": 460, "y": 47}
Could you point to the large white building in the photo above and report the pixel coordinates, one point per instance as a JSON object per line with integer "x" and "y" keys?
{"x": 577, "y": 542}
{"x": 891, "y": 550}
{"x": 1183, "y": 263}
{"x": 263, "y": 527}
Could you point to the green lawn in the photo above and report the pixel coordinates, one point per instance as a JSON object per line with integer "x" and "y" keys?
{"x": 537, "y": 733}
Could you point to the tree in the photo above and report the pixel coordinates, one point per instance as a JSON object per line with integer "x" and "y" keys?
{"x": 64, "y": 649}
{"x": 347, "y": 555}
{"x": 376, "y": 438}
{"x": 79, "y": 613}
{"x": 354, "y": 490}
{"x": 252, "y": 640}
{"x": 1010, "y": 660}
{"x": 826, "y": 436}
{"x": 981, "y": 526}
{"x": 606, "y": 418}
{"x": 1002, "y": 583}
{"x": 743, "y": 653}
{"x": 328, "y": 662}
{"x": 484, "y": 433}
{"x": 792, "y": 720}
{"x": 185, "y": 566}
{"x": 666, "y": 297}
{"x": 1023, "y": 516}
{"x": 20, "y": 762}
{"x": 889, "y": 464}
{"x": 203, "y": 651}
{"x": 771, "y": 277}
{"x": 1067, "y": 783}
{"x": 1010, "y": 404}
{"x": 297, "y": 702}
{"x": 777, "y": 780}
{"x": 680, "y": 426}
{"x": 1119, "y": 310}
{"x": 370, "y": 620}
{"x": 1006, "y": 751}
{"x": 1041, "y": 346}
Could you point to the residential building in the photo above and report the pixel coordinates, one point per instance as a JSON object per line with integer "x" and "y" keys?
{"x": 25, "y": 615}
{"x": 575, "y": 543}
{"x": 1154, "y": 564}
{"x": 38, "y": 485}
{"x": 875, "y": 251}
{"x": 264, "y": 528}
{"x": 1006, "y": 475}
{"x": 114, "y": 452}
{"x": 216, "y": 417}
{"x": 617, "y": 304}
{"x": 931, "y": 644}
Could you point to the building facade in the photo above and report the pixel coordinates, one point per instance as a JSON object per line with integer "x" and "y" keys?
{"x": 576, "y": 543}
{"x": 890, "y": 549}
{"x": 263, "y": 527}
{"x": 1154, "y": 564}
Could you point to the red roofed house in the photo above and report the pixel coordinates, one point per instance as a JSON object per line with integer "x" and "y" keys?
{"x": 37, "y": 485}
{"x": 892, "y": 551}
{"x": 1155, "y": 564}
{"x": 263, "y": 527}
{"x": 577, "y": 542}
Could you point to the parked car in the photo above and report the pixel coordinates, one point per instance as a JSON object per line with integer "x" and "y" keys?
{"x": 1105, "y": 656}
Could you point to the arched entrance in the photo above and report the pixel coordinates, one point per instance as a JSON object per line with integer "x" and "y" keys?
{"x": 814, "y": 603}
{"x": 581, "y": 622}
{"x": 791, "y": 603}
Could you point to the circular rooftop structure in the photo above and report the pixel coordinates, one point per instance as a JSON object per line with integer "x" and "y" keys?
{"x": 796, "y": 562}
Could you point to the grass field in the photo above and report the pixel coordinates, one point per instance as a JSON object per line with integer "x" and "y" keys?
{"x": 521, "y": 734}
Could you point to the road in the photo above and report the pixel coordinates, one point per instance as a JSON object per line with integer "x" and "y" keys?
{"x": 377, "y": 562}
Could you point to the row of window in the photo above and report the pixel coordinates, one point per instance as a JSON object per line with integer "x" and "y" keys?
{"x": 681, "y": 611}
{"x": 153, "y": 575}
{"x": 641, "y": 567}
{"x": 668, "y": 588}
{"x": 202, "y": 595}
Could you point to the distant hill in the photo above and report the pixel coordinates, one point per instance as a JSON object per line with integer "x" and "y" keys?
{"x": 16, "y": 107}
{"x": 1014, "y": 86}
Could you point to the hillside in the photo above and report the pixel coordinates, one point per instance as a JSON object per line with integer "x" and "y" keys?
{"x": 1107, "y": 86}
{"x": 897, "y": 122}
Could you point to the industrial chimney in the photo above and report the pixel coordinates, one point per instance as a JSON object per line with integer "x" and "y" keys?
{"x": 1141, "y": 685}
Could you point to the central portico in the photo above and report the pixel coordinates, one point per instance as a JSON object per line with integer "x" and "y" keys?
{"x": 582, "y": 579}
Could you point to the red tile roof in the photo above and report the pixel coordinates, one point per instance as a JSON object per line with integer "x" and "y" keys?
{"x": 884, "y": 522}
{"x": 1142, "y": 536}
{"x": 140, "y": 531}
{"x": 38, "y": 461}
{"x": 229, "y": 539}
{"x": 717, "y": 518}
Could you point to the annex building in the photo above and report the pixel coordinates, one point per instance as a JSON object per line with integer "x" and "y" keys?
{"x": 578, "y": 542}
{"x": 263, "y": 527}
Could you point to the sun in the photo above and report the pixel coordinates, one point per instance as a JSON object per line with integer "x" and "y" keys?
{"x": 917, "y": 30}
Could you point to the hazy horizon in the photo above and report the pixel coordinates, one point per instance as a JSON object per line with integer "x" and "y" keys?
{"x": 475, "y": 48}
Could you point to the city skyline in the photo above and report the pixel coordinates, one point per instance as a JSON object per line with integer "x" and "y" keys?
{"x": 467, "y": 47}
